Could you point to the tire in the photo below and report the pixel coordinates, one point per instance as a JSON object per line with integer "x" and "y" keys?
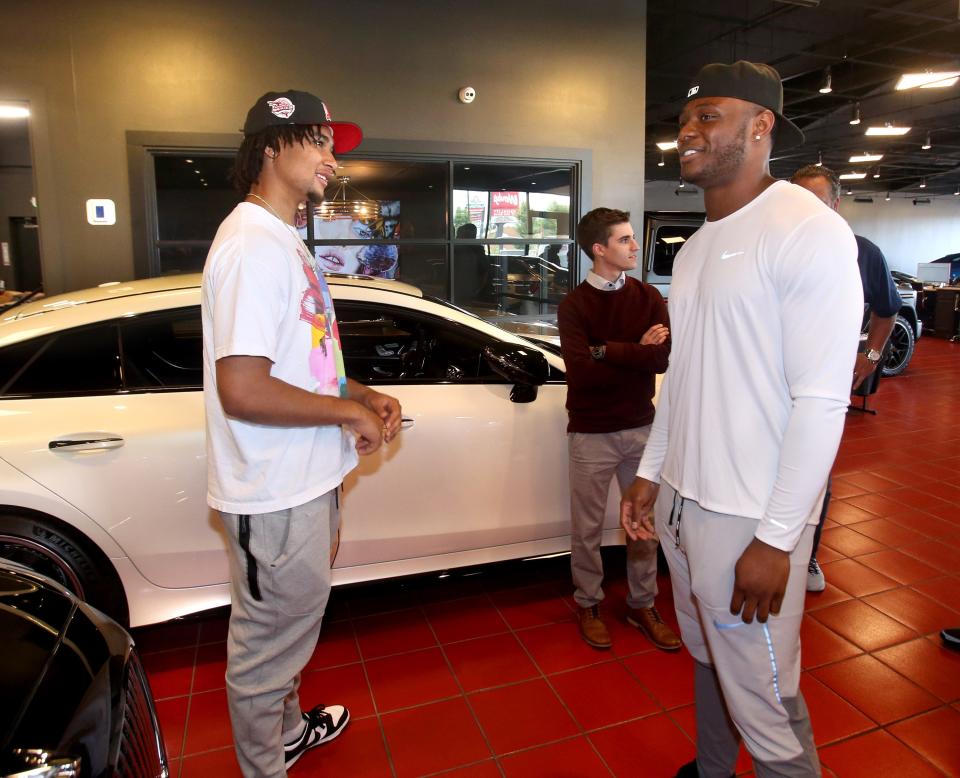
{"x": 899, "y": 347}
{"x": 57, "y": 550}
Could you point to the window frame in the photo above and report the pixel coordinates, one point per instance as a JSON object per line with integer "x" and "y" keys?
{"x": 144, "y": 146}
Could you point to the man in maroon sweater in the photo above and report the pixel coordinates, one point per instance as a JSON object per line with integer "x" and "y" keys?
{"x": 615, "y": 339}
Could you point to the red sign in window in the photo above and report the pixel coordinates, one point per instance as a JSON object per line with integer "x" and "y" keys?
{"x": 504, "y": 204}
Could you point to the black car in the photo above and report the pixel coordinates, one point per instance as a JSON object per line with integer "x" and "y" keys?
{"x": 75, "y": 699}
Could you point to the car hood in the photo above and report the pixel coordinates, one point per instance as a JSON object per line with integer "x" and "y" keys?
{"x": 62, "y": 666}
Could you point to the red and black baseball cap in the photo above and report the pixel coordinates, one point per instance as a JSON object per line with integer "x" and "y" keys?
{"x": 276, "y": 109}
{"x": 753, "y": 82}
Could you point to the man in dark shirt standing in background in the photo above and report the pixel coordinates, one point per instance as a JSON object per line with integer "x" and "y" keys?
{"x": 880, "y": 297}
{"x": 615, "y": 339}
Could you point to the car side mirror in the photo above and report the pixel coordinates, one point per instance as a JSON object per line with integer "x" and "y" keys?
{"x": 526, "y": 368}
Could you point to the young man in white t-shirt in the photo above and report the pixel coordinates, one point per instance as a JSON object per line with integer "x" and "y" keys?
{"x": 284, "y": 426}
{"x": 765, "y": 308}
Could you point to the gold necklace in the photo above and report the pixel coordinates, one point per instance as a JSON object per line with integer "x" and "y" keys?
{"x": 296, "y": 233}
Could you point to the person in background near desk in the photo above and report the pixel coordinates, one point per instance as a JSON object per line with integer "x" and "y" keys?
{"x": 615, "y": 339}
{"x": 880, "y": 297}
{"x": 765, "y": 308}
{"x": 284, "y": 426}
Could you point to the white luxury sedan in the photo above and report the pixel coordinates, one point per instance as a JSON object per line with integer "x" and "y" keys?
{"x": 102, "y": 457}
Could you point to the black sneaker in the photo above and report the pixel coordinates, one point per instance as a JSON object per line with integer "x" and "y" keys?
{"x": 951, "y": 638}
{"x": 322, "y": 724}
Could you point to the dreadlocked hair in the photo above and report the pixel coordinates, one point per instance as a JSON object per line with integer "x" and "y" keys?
{"x": 249, "y": 161}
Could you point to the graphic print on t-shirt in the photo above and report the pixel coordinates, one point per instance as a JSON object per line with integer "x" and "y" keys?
{"x": 326, "y": 354}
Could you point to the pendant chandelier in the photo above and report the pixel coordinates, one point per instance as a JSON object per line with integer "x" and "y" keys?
{"x": 339, "y": 206}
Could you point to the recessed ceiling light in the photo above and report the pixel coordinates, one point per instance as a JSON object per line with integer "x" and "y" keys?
{"x": 887, "y": 129}
{"x": 866, "y": 158}
{"x": 929, "y": 80}
{"x": 852, "y": 176}
{"x": 673, "y": 239}
{"x": 190, "y": 162}
{"x": 827, "y": 86}
{"x": 14, "y": 112}
{"x": 667, "y": 145}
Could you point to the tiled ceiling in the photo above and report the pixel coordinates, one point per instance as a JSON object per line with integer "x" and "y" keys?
{"x": 865, "y": 45}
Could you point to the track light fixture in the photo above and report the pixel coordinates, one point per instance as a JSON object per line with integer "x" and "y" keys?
{"x": 681, "y": 185}
{"x": 876, "y": 172}
{"x": 855, "y": 116}
{"x": 926, "y": 144}
{"x": 819, "y": 159}
{"x": 923, "y": 183}
{"x": 827, "y": 86}
{"x": 662, "y": 161}
{"x": 887, "y": 198}
{"x": 956, "y": 192}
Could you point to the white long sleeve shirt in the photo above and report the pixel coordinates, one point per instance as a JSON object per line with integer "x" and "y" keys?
{"x": 765, "y": 309}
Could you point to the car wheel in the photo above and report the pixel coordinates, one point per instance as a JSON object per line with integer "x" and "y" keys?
{"x": 899, "y": 348}
{"x": 58, "y": 551}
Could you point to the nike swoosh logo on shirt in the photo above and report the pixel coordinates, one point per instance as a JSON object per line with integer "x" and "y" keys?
{"x": 728, "y": 254}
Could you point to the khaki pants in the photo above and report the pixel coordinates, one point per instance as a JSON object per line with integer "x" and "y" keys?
{"x": 595, "y": 458}
{"x": 279, "y": 586}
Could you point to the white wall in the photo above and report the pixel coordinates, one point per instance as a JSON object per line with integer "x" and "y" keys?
{"x": 907, "y": 233}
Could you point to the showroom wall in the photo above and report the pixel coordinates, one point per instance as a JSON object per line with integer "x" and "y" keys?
{"x": 546, "y": 74}
{"x": 907, "y": 233}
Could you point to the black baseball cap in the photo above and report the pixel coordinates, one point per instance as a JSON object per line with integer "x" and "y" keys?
{"x": 753, "y": 82}
{"x": 276, "y": 109}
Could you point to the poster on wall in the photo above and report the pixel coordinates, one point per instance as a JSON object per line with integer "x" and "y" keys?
{"x": 374, "y": 259}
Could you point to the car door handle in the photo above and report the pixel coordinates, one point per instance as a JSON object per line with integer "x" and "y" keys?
{"x": 90, "y": 441}
{"x": 406, "y": 422}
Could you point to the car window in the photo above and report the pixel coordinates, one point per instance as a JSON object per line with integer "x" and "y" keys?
{"x": 668, "y": 241}
{"x": 388, "y": 345}
{"x": 163, "y": 350}
{"x": 84, "y": 360}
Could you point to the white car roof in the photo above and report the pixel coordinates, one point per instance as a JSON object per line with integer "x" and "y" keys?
{"x": 115, "y": 300}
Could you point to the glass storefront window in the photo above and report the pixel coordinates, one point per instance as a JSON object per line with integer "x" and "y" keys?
{"x": 490, "y": 236}
{"x": 512, "y": 201}
{"x": 194, "y": 194}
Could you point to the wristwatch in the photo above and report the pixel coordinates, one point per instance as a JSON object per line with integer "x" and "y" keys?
{"x": 598, "y": 352}
{"x": 873, "y": 356}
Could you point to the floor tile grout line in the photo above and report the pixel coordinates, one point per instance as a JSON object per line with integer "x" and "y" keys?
{"x": 373, "y": 700}
{"x": 463, "y": 693}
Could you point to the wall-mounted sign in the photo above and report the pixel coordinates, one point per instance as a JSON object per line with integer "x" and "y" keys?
{"x": 101, "y": 212}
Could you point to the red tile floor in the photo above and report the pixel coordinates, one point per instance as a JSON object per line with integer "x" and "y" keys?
{"x": 483, "y": 674}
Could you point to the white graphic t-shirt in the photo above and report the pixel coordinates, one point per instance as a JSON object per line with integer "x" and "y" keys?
{"x": 262, "y": 297}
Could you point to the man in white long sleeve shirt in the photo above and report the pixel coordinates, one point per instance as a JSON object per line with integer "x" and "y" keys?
{"x": 765, "y": 311}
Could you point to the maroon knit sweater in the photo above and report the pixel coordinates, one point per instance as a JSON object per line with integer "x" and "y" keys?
{"x": 615, "y": 393}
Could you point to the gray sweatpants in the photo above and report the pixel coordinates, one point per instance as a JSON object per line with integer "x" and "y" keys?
{"x": 279, "y": 586}
{"x": 747, "y": 676}
{"x": 594, "y": 460}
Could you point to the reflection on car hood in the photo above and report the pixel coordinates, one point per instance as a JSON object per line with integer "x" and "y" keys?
{"x": 62, "y": 671}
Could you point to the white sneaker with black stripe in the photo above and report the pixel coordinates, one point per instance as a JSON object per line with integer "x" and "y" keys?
{"x": 815, "y": 578}
{"x": 321, "y": 725}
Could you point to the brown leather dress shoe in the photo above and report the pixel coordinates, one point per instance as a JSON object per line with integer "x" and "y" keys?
{"x": 592, "y": 628}
{"x": 658, "y": 632}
